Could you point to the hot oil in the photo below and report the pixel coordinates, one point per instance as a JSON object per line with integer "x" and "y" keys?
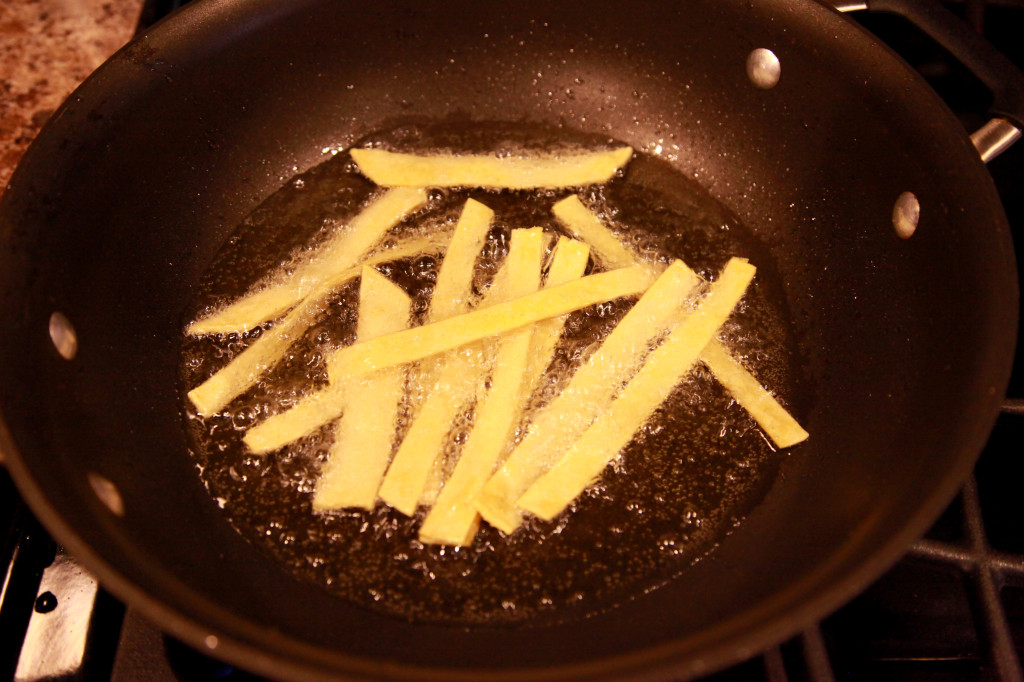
{"x": 691, "y": 474}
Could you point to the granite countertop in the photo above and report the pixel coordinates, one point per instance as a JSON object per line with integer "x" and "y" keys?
{"x": 48, "y": 47}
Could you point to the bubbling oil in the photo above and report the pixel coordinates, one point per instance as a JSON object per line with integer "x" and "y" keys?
{"x": 684, "y": 481}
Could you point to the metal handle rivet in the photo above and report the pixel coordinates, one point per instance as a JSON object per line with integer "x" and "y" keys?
{"x": 763, "y": 68}
{"x": 906, "y": 213}
{"x": 63, "y": 336}
{"x": 107, "y": 492}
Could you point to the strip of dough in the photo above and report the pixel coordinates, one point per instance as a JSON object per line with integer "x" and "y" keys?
{"x": 392, "y": 169}
{"x": 666, "y": 367}
{"x": 366, "y": 431}
{"x": 423, "y": 444}
{"x": 429, "y": 339}
{"x": 568, "y": 262}
{"x": 451, "y": 296}
{"x": 588, "y": 228}
{"x": 522, "y": 357}
{"x": 348, "y": 247}
{"x": 320, "y": 407}
{"x": 589, "y": 392}
{"x": 310, "y": 413}
{"x": 777, "y": 423}
{"x": 454, "y": 283}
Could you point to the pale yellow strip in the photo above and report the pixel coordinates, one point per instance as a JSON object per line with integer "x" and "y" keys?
{"x": 454, "y": 283}
{"x": 451, "y": 296}
{"x": 453, "y": 519}
{"x": 325, "y": 405}
{"x": 366, "y": 431}
{"x": 346, "y": 249}
{"x": 776, "y": 422}
{"x": 453, "y": 389}
{"x": 245, "y": 369}
{"x": 588, "y": 228}
{"x": 310, "y": 413}
{"x": 427, "y": 340}
{"x": 757, "y": 400}
{"x": 665, "y": 368}
{"x": 568, "y": 263}
{"x": 404, "y": 483}
{"x": 313, "y": 410}
{"x": 391, "y": 169}
{"x": 589, "y": 392}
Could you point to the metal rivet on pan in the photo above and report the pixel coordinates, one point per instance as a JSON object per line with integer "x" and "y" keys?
{"x": 63, "y": 335}
{"x": 107, "y": 492}
{"x": 211, "y": 642}
{"x": 763, "y": 68}
{"x": 905, "y": 215}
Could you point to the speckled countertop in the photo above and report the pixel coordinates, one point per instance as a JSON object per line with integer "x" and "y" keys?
{"x": 48, "y": 47}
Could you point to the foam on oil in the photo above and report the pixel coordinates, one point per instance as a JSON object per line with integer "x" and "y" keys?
{"x": 692, "y": 473}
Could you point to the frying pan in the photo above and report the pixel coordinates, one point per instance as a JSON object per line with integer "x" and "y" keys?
{"x": 140, "y": 177}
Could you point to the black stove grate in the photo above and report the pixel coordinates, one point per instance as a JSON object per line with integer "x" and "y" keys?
{"x": 951, "y": 610}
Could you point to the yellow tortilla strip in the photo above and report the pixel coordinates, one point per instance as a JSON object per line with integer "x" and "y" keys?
{"x": 568, "y": 263}
{"x": 451, "y": 296}
{"x": 391, "y": 169}
{"x": 589, "y": 229}
{"x": 589, "y": 392}
{"x": 453, "y": 520}
{"x": 245, "y": 369}
{"x": 313, "y": 410}
{"x": 757, "y": 400}
{"x": 776, "y": 422}
{"x": 406, "y": 477}
{"x": 454, "y": 283}
{"x": 665, "y": 368}
{"x": 453, "y": 289}
{"x": 430, "y": 339}
{"x": 366, "y": 431}
{"x": 310, "y": 413}
{"x": 347, "y": 248}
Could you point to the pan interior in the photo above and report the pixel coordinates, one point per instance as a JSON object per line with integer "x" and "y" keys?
{"x": 691, "y": 474}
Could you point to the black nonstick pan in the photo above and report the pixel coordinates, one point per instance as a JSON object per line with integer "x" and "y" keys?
{"x": 902, "y": 345}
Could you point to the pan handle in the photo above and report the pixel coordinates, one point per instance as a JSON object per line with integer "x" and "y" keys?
{"x": 1003, "y": 79}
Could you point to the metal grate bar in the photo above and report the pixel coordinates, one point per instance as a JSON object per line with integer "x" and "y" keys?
{"x": 987, "y": 581}
{"x": 816, "y": 658}
{"x": 774, "y": 666}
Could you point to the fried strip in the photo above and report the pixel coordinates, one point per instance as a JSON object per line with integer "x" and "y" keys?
{"x": 568, "y": 263}
{"x": 429, "y": 339}
{"x": 391, "y": 169}
{"x": 776, "y": 422}
{"x": 403, "y": 485}
{"x": 324, "y": 405}
{"x": 522, "y": 357}
{"x": 364, "y": 435}
{"x": 589, "y": 392}
{"x": 348, "y": 247}
{"x": 451, "y": 296}
{"x": 588, "y": 228}
{"x": 455, "y": 277}
{"x": 757, "y": 400}
{"x": 666, "y": 367}
{"x": 310, "y": 413}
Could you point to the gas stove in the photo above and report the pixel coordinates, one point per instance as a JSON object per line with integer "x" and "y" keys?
{"x": 951, "y": 609}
